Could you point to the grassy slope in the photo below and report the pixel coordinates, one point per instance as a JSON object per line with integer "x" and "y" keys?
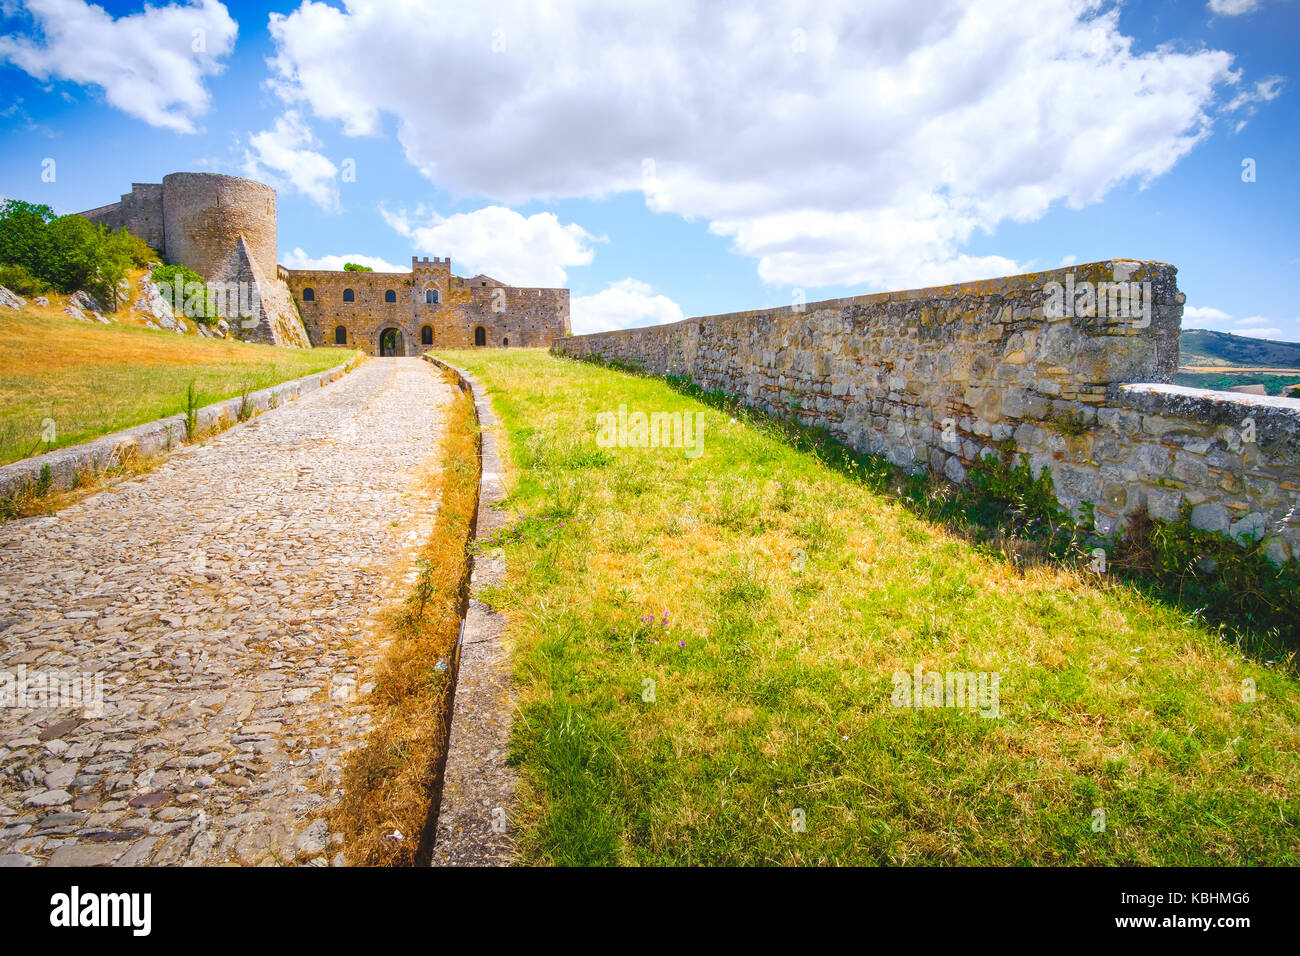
{"x": 95, "y": 379}
{"x": 779, "y": 699}
{"x": 1207, "y": 347}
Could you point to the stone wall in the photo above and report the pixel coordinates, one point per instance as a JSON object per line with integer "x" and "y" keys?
{"x": 934, "y": 378}
{"x": 509, "y": 316}
{"x": 222, "y": 227}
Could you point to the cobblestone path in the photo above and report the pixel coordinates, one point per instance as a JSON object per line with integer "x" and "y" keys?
{"x": 223, "y": 601}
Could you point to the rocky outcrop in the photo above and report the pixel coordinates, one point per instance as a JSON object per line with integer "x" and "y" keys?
{"x": 11, "y": 300}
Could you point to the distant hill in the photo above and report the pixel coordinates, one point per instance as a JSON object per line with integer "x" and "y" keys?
{"x": 1205, "y": 347}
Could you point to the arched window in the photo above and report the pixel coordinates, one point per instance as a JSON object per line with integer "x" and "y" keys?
{"x": 390, "y": 296}
{"x": 340, "y": 335}
{"x": 430, "y": 296}
{"x": 480, "y": 336}
{"x": 309, "y": 294}
{"x": 426, "y": 335}
{"x": 506, "y": 340}
{"x": 349, "y": 295}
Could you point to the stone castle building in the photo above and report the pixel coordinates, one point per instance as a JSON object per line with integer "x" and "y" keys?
{"x": 401, "y": 313}
{"x": 224, "y": 228}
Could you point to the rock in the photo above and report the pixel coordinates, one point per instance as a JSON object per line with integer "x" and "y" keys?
{"x": 59, "y": 779}
{"x": 1210, "y": 517}
{"x": 313, "y": 840}
{"x": 50, "y": 798}
{"x": 11, "y": 299}
{"x": 155, "y": 307}
{"x": 151, "y": 801}
{"x": 16, "y": 860}
{"x": 59, "y": 728}
{"x": 98, "y": 854}
{"x": 86, "y": 302}
{"x": 40, "y": 300}
{"x": 76, "y": 313}
{"x": 223, "y": 327}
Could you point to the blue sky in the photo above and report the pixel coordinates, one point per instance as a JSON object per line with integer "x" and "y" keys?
{"x": 669, "y": 159}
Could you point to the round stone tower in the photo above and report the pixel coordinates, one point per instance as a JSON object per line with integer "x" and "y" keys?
{"x": 204, "y": 214}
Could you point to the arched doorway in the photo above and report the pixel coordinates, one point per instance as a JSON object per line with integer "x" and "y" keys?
{"x": 480, "y": 335}
{"x": 391, "y": 343}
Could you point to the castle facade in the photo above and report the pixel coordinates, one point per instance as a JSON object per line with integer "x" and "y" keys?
{"x": 408, "y": 313}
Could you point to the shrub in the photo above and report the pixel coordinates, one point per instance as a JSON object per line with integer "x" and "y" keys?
{"x": 184, "y": 288}
{"x": 17, "y": 279}
{"x": 355, "y": 267}
{"x": 68, "y": 252}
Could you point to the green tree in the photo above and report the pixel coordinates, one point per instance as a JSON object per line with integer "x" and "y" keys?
{"x": 355, "y": 267}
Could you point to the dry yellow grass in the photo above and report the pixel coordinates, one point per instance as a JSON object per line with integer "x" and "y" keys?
{"x": 391, "y": 780}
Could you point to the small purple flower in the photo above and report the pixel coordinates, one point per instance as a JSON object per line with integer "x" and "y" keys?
{"x": 681, "y": 643}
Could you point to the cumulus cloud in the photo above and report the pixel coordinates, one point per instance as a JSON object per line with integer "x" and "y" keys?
{"x": 518, "y": 250}
{"x": 287, "y": 153}
{"x": 298, "y": 259}
{"x": 1254, "y": 326}
{"x": 833, "y": 141}
{"x": 628, "y": 303}
{"x": 151, "y": 65}
{"x": 1232, "y": 8}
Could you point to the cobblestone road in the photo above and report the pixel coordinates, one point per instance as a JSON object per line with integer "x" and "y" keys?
{"x": 223, "y": 601}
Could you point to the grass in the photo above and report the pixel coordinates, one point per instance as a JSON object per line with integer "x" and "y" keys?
{"x": 90, "y": 380}
{"x": 391, "y": 780}
{"x": 705, "y": 651}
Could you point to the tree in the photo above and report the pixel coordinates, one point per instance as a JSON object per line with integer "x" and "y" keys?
{"x": 356, "y": 267}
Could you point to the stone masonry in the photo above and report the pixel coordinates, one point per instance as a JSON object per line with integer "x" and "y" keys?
{"x": 222, "y": 227}
{"x": 224, "y": 603}
{"x": 429, "y": 306}
{"x": 934, "y": 378}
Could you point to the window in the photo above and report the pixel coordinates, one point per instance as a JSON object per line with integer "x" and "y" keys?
{"x": 480, "y": 336}
{"x": 430, "y": 296}
{"x": 390, "y": 296}
{"x": 309, "y": 294}
{"x": 426, "y": 335}
{"x": 349, "y": 295}
{"x": 340, "y": 335}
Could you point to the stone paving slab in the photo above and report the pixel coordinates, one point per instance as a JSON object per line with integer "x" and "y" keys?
{"x": 222, "y": 603}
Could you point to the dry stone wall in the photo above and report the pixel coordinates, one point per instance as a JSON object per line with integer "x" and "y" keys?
{"x": 1071, "y": 365}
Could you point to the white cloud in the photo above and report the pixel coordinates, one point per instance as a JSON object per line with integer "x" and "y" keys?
{"x": 517, "y": 250}
{"x": 628, "y": 303}
{"x": 1253, "y": 326}
{"x": 298, "y": 259}
{"x": 1201, "y": 313}
{"x": 868, "y": 148}
{"x": 285, "y": 153}
{"x": 1232, "y": 8}
{"x": 1068, "y": 260}
{"x": 151, "y": 65}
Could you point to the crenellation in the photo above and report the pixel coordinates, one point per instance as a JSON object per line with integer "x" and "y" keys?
{"x": 508, "y": 316}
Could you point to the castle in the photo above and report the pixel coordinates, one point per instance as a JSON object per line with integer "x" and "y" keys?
{"x": 401, "y": 313}
{"x": 224, "y": 228}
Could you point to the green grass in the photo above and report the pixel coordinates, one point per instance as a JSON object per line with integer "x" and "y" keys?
{"x": 90, "y": 380}
{"x": 793, "y": 592}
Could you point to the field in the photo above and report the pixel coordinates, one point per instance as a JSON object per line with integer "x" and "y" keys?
{"x": 709, "y": 652}
{"x": 89, "y": 379}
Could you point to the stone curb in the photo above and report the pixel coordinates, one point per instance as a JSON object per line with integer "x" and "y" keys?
{"x": 475, "y": 803}
{"x": 153, "y": 438}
